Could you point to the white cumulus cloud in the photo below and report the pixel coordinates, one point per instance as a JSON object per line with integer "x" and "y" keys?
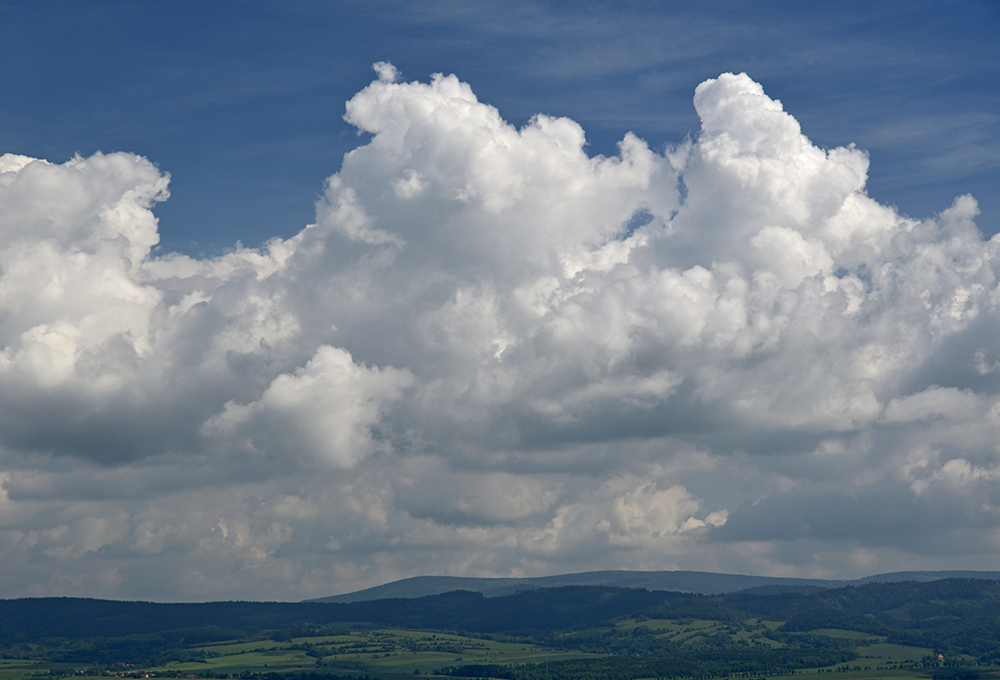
{"x": 498, "y": 352}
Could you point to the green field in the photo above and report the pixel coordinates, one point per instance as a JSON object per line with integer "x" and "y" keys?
{"x": 12, "y": 669}
{"x": 381, "y": 652}
{"x": 393, "y": 653}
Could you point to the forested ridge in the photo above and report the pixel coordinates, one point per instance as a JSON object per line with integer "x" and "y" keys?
{"x": 759, "y": 631}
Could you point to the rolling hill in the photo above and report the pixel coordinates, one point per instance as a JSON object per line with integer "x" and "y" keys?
{"x": 701, "y": 582}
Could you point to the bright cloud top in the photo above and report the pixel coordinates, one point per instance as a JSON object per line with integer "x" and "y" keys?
{"x": 503, "y": 354}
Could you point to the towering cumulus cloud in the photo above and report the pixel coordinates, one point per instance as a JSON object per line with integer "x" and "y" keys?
{"x": 494, "y": 354}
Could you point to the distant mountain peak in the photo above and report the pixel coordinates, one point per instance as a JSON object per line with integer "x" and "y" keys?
{"x": 703, "y": 582}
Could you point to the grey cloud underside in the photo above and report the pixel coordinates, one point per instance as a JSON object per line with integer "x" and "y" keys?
{"x": 872, "y": 517}
{"x": 493, "y": 354}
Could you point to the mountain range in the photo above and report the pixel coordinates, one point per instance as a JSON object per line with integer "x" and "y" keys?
{"x": 701, "y": 582}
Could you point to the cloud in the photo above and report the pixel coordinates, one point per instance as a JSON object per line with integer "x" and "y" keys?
{"x": 934, "y": 402}
{"x": 494, "y": 354}
{"x": 326, "y": 409}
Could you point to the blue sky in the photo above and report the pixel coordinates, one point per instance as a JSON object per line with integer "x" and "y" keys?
{"x": 241, "y": 102}
{"x": 298, "y": 298}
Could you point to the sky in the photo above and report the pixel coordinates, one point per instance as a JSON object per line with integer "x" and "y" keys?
{"x": 302, "y": 297}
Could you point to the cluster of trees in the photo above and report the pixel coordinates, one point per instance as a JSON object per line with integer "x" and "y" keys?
{"x": 956, "y": 616}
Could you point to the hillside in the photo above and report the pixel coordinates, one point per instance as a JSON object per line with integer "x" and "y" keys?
{"x": 946, "y": 629}
{"x": 959, "y": 615}
{"x": 704, "y": 583}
